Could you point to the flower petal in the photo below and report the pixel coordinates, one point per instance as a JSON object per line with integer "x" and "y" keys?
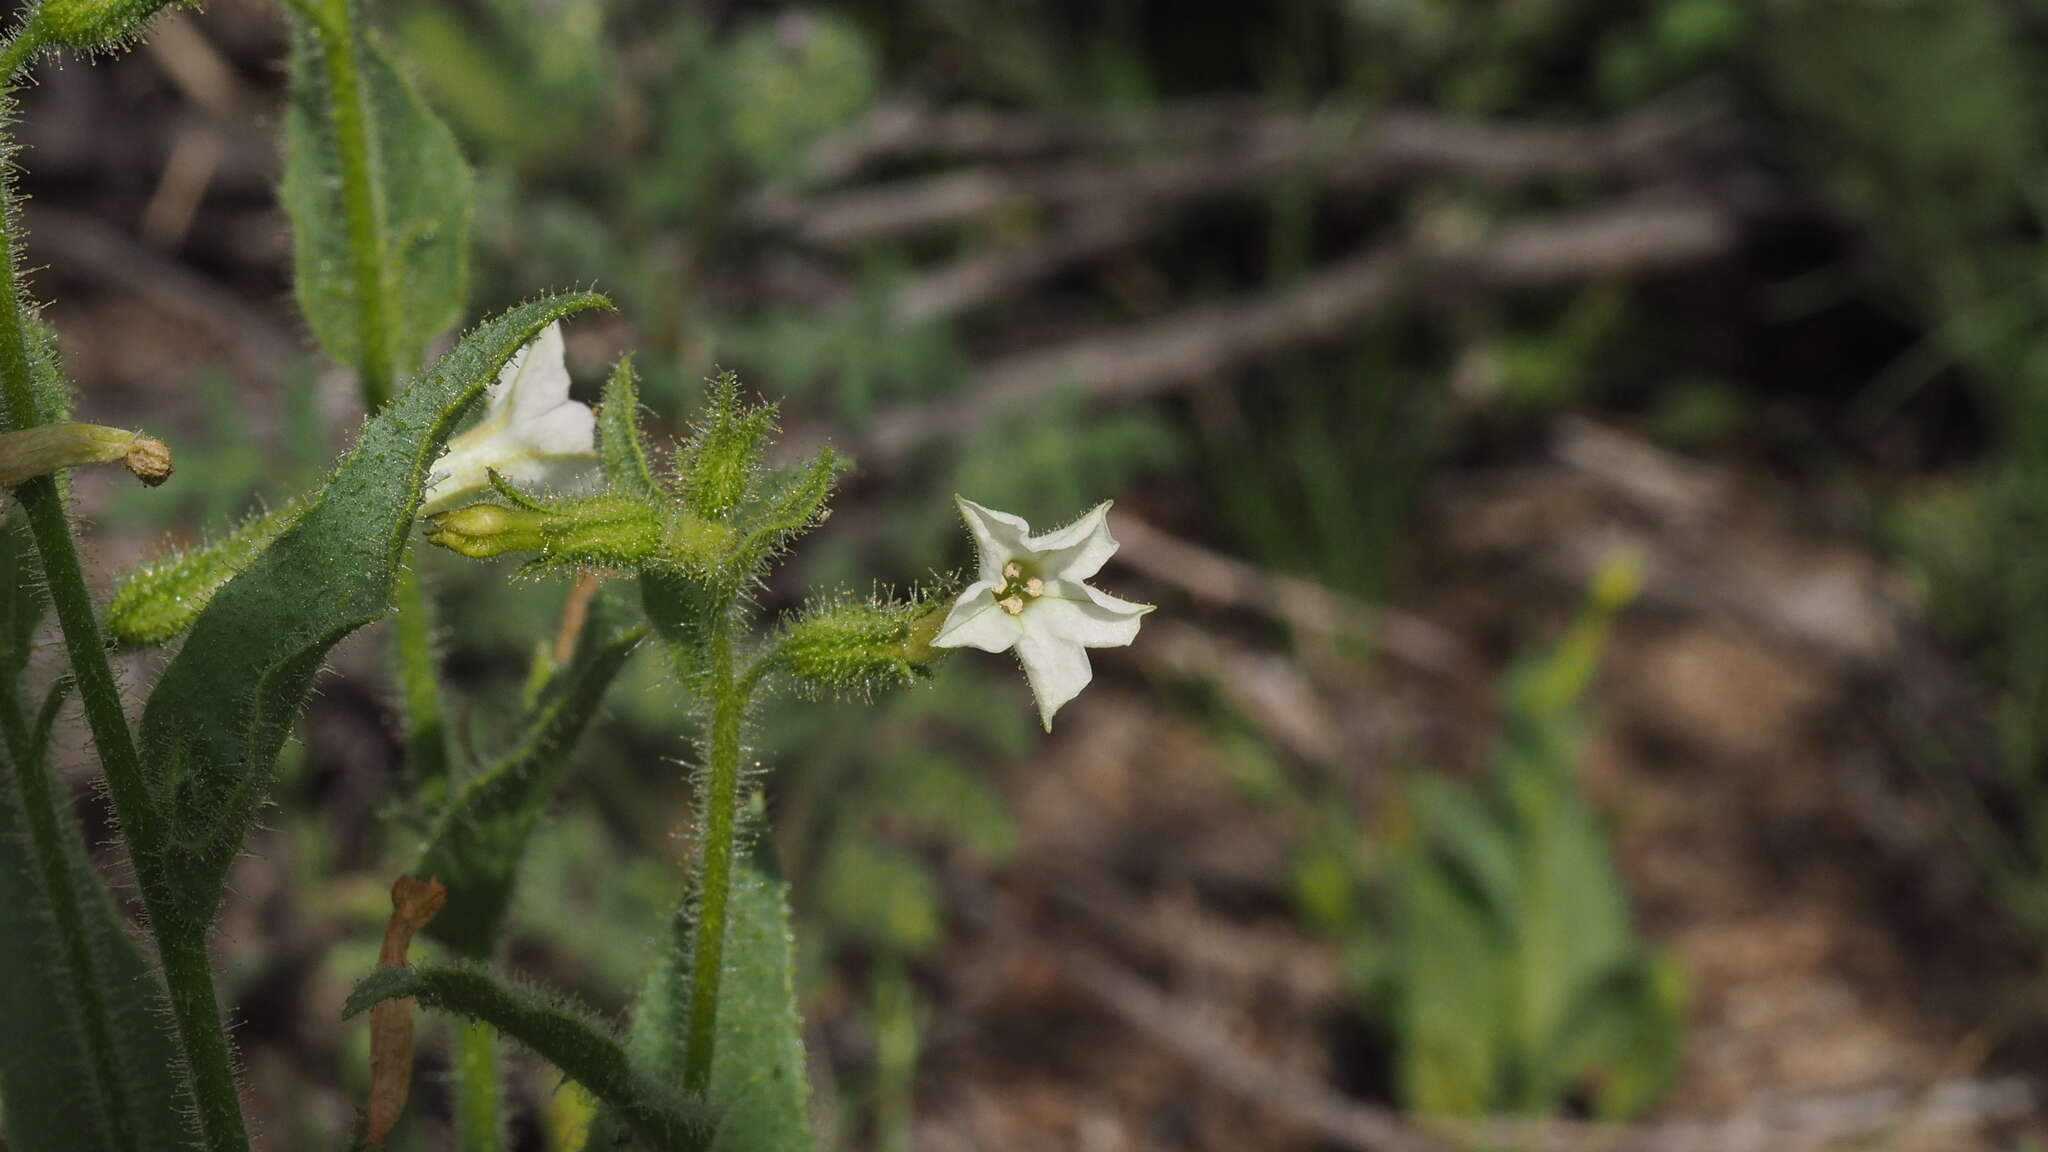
{"x": 1078, "y": 550}
{"x": 1057, "y": 671}
{"x": 977, "y": 621}
{"x": 1086, "y": 616}
{"x": 536, "y": 379}
{"x": 567, "y": 429}
{"x": 998, "y": 536}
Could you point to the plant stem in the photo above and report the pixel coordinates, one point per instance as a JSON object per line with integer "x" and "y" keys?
{"x": 199, "y": 1032}
{"x": 188, "y": 974}
{"x": 476, "y": 1073}
{"x": 339, "y": 44}
{"x": 714, "y": 879}
{"x": 59, "y": 857}
{"x": 419, "y": 687}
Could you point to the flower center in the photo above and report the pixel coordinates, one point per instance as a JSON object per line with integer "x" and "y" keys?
{"x": 1019, "y": 588}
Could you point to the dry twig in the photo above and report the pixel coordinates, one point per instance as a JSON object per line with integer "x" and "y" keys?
{"x": 1343, "y": 152}
{"x": 1198, "y": 343}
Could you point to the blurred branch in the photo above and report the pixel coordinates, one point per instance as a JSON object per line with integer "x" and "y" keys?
{"x": 1200, "y": 342}
{"x": 1812, "y": 1123}
{"x": 909, "y": 128}
{"x": 1231, "y": 583}
{"x": 1344, "y": 151}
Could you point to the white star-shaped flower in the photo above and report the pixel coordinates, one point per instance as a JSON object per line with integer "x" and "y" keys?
{"x": 530, "y": 428}
{"x": 1032, "y": 595}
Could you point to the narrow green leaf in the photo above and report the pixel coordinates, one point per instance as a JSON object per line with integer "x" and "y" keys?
{"x": 424, "y": 194}
{"x": 618, "y": 436}
{"x": 718, "y": 463}
{"x": 793, "y": 508}
{"x": 213, "y": 726}
{"x": 478, "y": 843}
{"x": 562, "y": 1033}
{"x": 87, "y": 1064}
{"x": 759, "y": 1092}
{"x": 156, "y": 603}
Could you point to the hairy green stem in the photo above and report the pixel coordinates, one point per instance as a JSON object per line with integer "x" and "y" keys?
{"x": 199, "y": 1032}
{"x": 188, "y": 976}
{"x": 419, "y": 686}
{"x": 340, "y": 44}
{"x": 16, "y": 52}
{"x": 55, "y": 851}
{"x": 476, "y": 1077}
{"x": 714, "y": 877}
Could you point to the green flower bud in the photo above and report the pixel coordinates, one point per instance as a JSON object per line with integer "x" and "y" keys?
{"x": 91, "y": 24}
{"x": 47, "y": 448}
{"x": 480, "y": 531}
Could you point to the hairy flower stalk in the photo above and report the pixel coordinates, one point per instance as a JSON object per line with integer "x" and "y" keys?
{"x": 1032, "y": 596}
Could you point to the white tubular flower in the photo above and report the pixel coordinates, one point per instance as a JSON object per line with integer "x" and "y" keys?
{"x": 529, "y": 430}
{"x": 1031, "y": 595}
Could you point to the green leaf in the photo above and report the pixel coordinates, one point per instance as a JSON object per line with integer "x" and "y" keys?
{"x": 1625, "y": 1034}
{"x": 618, "y": 437}
{"x": 1453, "y": 997}
{"x": 156, "y": 603}
{"x": 758, "y": 1088}
{"x": 423, "y": 192}
{"x": 213, "y": 727}
{"x": 560, "y": 1032}
{"x": 478, "y": 842}
{"x": 87, "y": 1064}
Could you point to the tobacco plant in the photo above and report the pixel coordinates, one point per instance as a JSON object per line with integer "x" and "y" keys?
{"x": 116, "y": 1040}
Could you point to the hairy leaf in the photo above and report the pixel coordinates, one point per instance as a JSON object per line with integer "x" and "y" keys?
{"x": 212, "y": 729}
{"x": 561, "y": 1033}
{"x": 618, "y": 437}
{"x": 793, "y": 508}
{"x": 718, "y": 463}
{"x": 87, "y": 1063}
{"x": 477, "y": 844}
{"x": 423, "y": 192}
{"x": 758, "y": 1089}
{"x": 156, "y": 603}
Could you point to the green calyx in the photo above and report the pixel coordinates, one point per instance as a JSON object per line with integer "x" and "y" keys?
{"x": 715, "y": 522}
{"x": 854, "y": 648}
